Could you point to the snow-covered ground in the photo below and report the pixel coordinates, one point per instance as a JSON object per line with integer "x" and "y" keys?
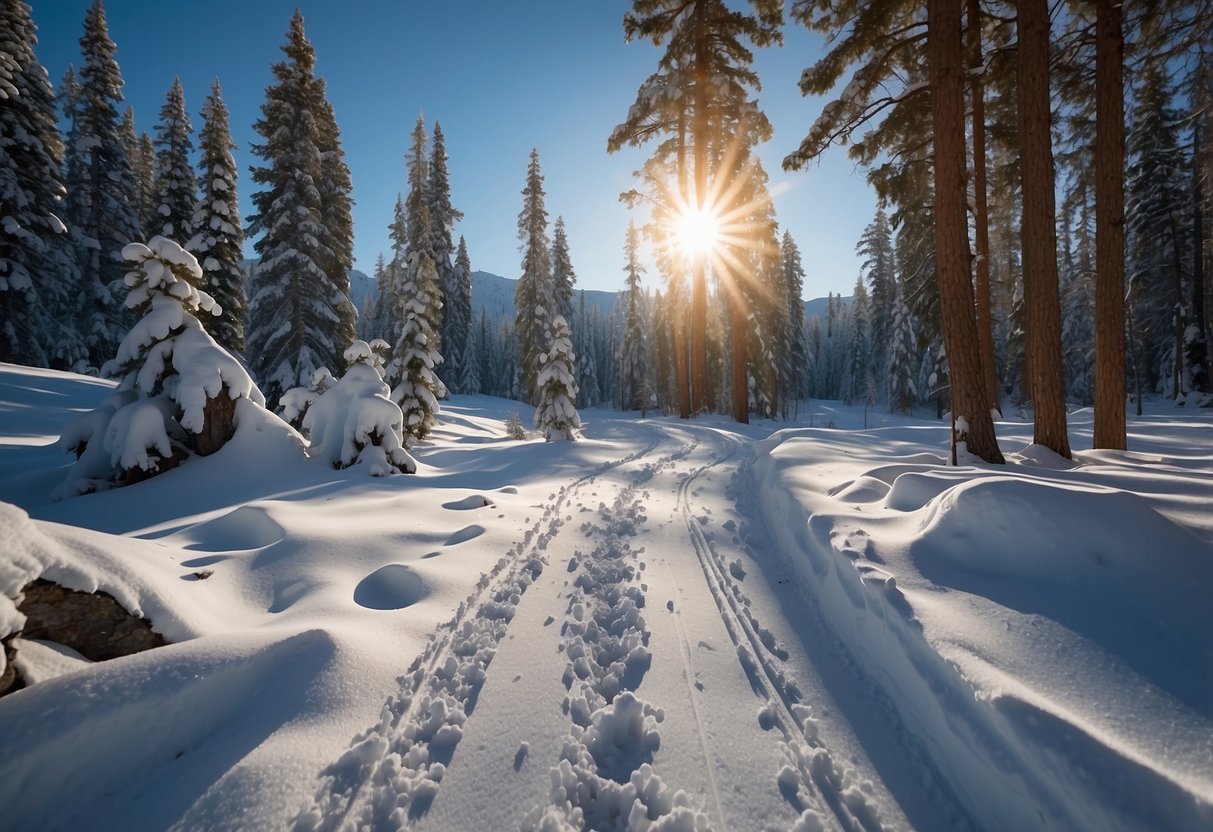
{"x": 670, "y": 625}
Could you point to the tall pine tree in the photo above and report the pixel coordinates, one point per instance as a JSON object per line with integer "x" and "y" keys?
{"x": 633, "y": 353}
{"x": 218, "y": 241}
{"x": 176, "y": 185}
{"x": 104, "y": 214}
{"x": 300, "y": 316}
{"x": 533, "y": 294}
{"x": 37, "y": 269}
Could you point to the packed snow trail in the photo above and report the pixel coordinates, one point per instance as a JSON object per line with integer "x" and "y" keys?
{"x": 610, "y": 673}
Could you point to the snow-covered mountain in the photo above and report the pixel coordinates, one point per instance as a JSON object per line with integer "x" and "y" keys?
{"x": 495, "y": 294}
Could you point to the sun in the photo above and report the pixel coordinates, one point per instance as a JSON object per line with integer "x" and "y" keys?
{"x": 698, "y": 231}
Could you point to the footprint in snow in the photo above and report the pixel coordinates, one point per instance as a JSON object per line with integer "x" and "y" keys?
{"x": 392, "y": 587}
{"x": 465, "y": 534}
{"x": 469, "y": 502}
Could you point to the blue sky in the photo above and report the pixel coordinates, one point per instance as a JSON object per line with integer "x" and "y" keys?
{"x": 501, "y": 77}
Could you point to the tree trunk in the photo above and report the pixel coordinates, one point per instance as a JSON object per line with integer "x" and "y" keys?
{"x": 1200, "y": 356}
{"x": 678, "y": 310}
{"x": 1039, "y": 230}
{"x": 699, "y": 289}
{"x": 1109, "y": 228}
{"x": 981, "y": 213}
{"x": 973, "y": 425}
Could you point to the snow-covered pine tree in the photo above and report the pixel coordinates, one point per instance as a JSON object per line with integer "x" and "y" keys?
{"x": 793, "y": 366}
{"x": 556, "y": 415}
{"x": 178, "y": 391}
{"x": 355, "y": 422}
{"x": 443, "y": 216}
{"x": 300, "y": 317}
{"x": 219, "y": 239}
{"x": 412, "y": 373}
{"x": 858, "y": 356}
{"x": 899, "y": 353}
{"x": 563, "y": 276}
{"x": 417, "y": 387}
{"x": 141, "y": 151}
{"x": 469, "y": 373}
{"x": 585, "y": 343}
{"x": 534, "y": 290}
{"x": 37, "y": 267}
{"x": 335, "y": 189}
{"x": 876, "y": 249}
{"x": 106, "y": 218}
{"x": 176, "y": 184}
{"x": 633, "y": 356}
{"x": 369, "y": 320}
{"x": 457, "y": 306}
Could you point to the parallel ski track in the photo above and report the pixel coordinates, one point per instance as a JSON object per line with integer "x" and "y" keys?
{"x": 745, "y": 638}
{"x": 336, "y": 805}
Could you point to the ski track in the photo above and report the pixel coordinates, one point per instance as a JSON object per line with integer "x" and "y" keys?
{"x": 811, "y": 780}
{"x": 604, "y": 778}
{"x": 391, "y": 773}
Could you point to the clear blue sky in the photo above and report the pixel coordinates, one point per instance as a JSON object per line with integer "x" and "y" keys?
{"x": 501, "y": 77}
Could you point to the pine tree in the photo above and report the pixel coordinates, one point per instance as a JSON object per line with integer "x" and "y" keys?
{"x": 219, "y": 239}
{"x": 177, "y": 187}
{"x": 533, "y": 294}
{"x": 1157, "y": 247}
{"x": 335, "y": 189}
{"x": 858, "y": 357}
{"x": 300, "y": 316}
{"x": 143, "y": 166}
{"x": 876, "y": 249}
{"x": 469, "y": 382}
{"x": 900, "y": 356}
{"x": 106, "y": 218}
{"x": 412, "y": 373}
{"x": 555, "y": 413}
{"x": 585, "y": 343}
{"x": 633, "y": 364}
{"x": 563, "y": 276}
{"x": 443, "y": 216}
{"x": 794, "y": 362}
{"x": 458, "y": 319}
{"x": 37, "y": 268}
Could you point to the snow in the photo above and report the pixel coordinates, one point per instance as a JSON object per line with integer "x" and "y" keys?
{"x": 669, "y": 625}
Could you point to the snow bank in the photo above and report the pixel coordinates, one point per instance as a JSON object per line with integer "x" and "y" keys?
{"x": 1046, "y": 640}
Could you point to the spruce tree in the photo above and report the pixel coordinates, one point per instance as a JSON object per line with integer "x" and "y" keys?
{"x": 794, "y": 362}
{"x": 585, "y": 343}
{"x": 106, "y": 218}
{"x": 458, "y": 320}
{"x": 412, "y": 373}
{"x": 563, "y": 276}
{"x": 633, "y": 364}
{"x": 876, "y": 249}
{"x": 300, "y": 316}
{"x": 899, "y": 354}
{"x": 533, "y": 294}
{"x": 335, "y": 189}
{"x": 219, "y": 239}
{"x": 443, "y": 216}
{"x": 37, "y": 267}
{"x": 176, "y": 185}
{"x": 555, "y": 413}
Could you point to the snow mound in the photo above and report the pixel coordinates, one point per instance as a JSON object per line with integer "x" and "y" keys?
{"x": 248, "y": 527}
{"x": 391, "y": 587}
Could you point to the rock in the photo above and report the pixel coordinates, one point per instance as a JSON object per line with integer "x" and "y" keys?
{"x": 93, "y": 624}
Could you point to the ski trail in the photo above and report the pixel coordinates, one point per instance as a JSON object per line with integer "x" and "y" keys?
{"x": 391, "y": 773}
{"x": 689, "y": 673}
{"x": 810, "y": 780}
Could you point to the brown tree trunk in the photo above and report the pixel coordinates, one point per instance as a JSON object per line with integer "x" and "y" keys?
{"x": 699, "y": 286}
{"x": 1201, "y": 382}
{"x": 678, "y": 310}
{"x": 972, "y": 422}
{"x": 981, "y": 213}
{"x": 1039, "y": 230}
{"x": 1109, "y": 228}
{"x": 218, "y": 423}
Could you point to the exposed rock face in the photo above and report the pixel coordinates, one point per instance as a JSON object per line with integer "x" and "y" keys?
{"x": 219, "y": 423}
{"x": 93, "y": 624}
